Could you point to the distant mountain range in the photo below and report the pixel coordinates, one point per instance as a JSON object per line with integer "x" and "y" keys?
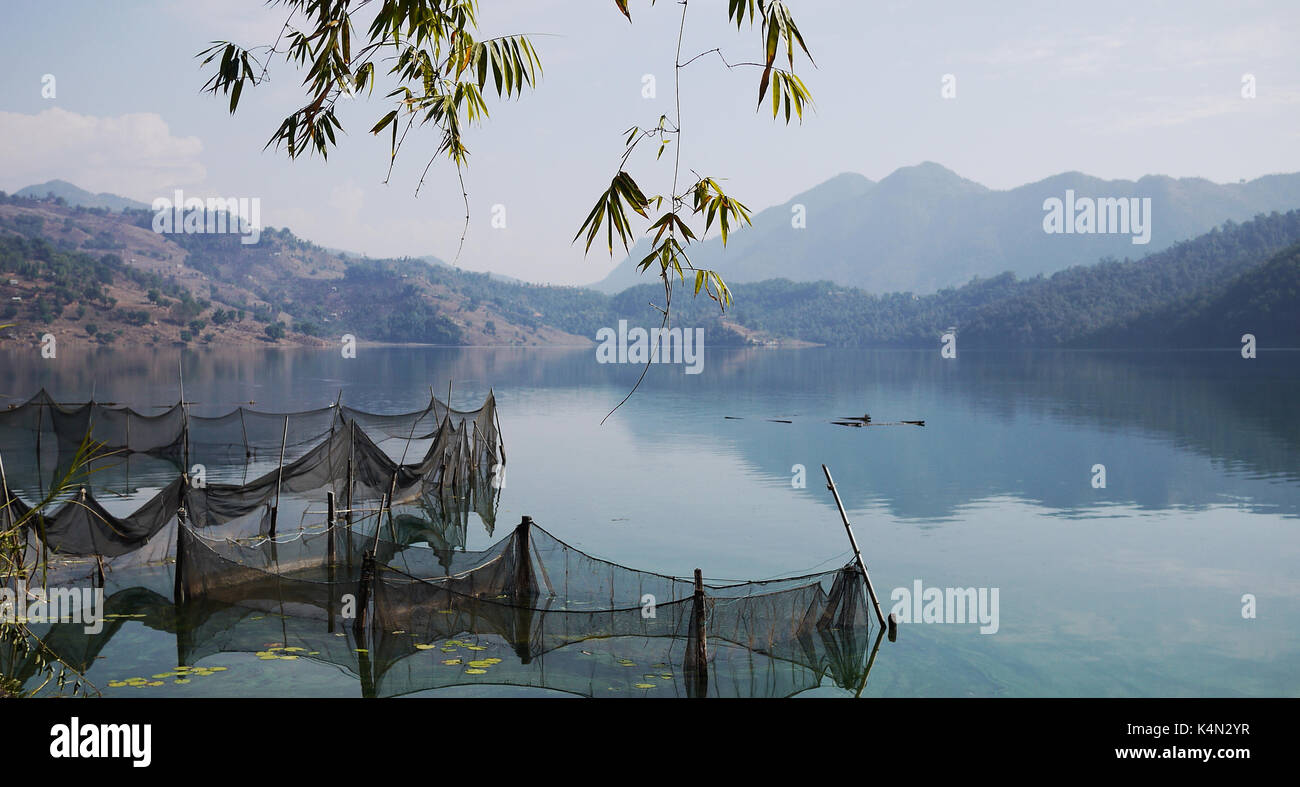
{"x": 94, "y": 275}
{"x": 924, "y": 228}
{"x": 1204, "y": 292}
{"x": 74, "y": 196}
{"x": 103, "y": 276}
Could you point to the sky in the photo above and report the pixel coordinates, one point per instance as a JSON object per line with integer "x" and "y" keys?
{"x": 1117, "y": 90}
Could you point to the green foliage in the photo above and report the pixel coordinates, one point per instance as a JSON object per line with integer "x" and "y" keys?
{"x": 184, "y": 310}
{"x": 671, "y": 230}
{"x": 1263, "y": 301}
{"x": 438, "y": 70}
{"x": 101, "y": 240}
{"x": 27, "y": 665}
{"x": 29, "y": 225}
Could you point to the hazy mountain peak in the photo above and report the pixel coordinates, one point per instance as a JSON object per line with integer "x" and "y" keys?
{"x": 929, "y": 175}
{"x": 75, "y": 195}
{"x": 924, "y": 227}
{"x": 846, "y": 185}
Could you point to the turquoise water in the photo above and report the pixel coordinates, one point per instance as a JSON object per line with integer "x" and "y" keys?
{"x": 1129, "y": 590}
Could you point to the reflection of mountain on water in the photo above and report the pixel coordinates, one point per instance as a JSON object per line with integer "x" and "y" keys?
{"x": 1029, "y": 425}
{"x": 1024, "y": 424}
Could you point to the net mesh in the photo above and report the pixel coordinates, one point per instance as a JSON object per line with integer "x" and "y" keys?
{"x": 529, "y": 611}
{"x": 534, "y": 611}
{"x": 440, "y": 458}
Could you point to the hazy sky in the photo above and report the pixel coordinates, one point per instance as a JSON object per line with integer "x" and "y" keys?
{"x": 1113, "y": 89}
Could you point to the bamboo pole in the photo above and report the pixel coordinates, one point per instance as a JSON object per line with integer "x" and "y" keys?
{"x": 40, "y": 478}
{"x": 243, "y": 428}
{"x": 185, "y": 419}
{"x": 871, "y": 660}
{"x": 329, "y": 546}
{"x": 857, "y": 554}
{"x": 329, "y": 531}
{"x": 392, "y": 530}
{"x": 4, "y": 485}
{"x": 9, "y": 514}
{"x": 351, "y": 431}
{"x": 363, "y": 597}
{"x": 40, "y": 485}
{"x": 496, "y": 414}
{"x": 178, "y": 589}
{"x": 383, "y": 506}
{"x": 279, "y": 476}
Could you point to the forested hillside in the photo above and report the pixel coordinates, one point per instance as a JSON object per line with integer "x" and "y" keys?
{"x": 104, "y": 277}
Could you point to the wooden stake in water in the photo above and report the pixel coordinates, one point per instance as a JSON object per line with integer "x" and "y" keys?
{"x": 857, "y": 554}
{"x": 700, "y": 636}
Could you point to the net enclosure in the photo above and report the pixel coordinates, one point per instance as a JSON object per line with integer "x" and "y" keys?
{"x": 438, "y": 458}
{"x": 530, "y": 610}
{"x": 384, "y": 588}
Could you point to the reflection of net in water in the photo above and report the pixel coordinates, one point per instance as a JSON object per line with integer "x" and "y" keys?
{"x": 335, "y": 449}
{"x": 528, "y": 611}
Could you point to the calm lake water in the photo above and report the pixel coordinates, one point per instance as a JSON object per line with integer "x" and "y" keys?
{"x": 1129, "y": 590}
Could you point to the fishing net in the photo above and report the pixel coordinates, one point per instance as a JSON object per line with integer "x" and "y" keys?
{"x": 528, "y": 611}
{"x": 242, "y": 433}
{"x": 387, "y": 591}
{"x": 448, "y": 471}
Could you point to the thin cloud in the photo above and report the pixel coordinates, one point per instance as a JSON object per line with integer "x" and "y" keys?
{"x": 134, "y": 155}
